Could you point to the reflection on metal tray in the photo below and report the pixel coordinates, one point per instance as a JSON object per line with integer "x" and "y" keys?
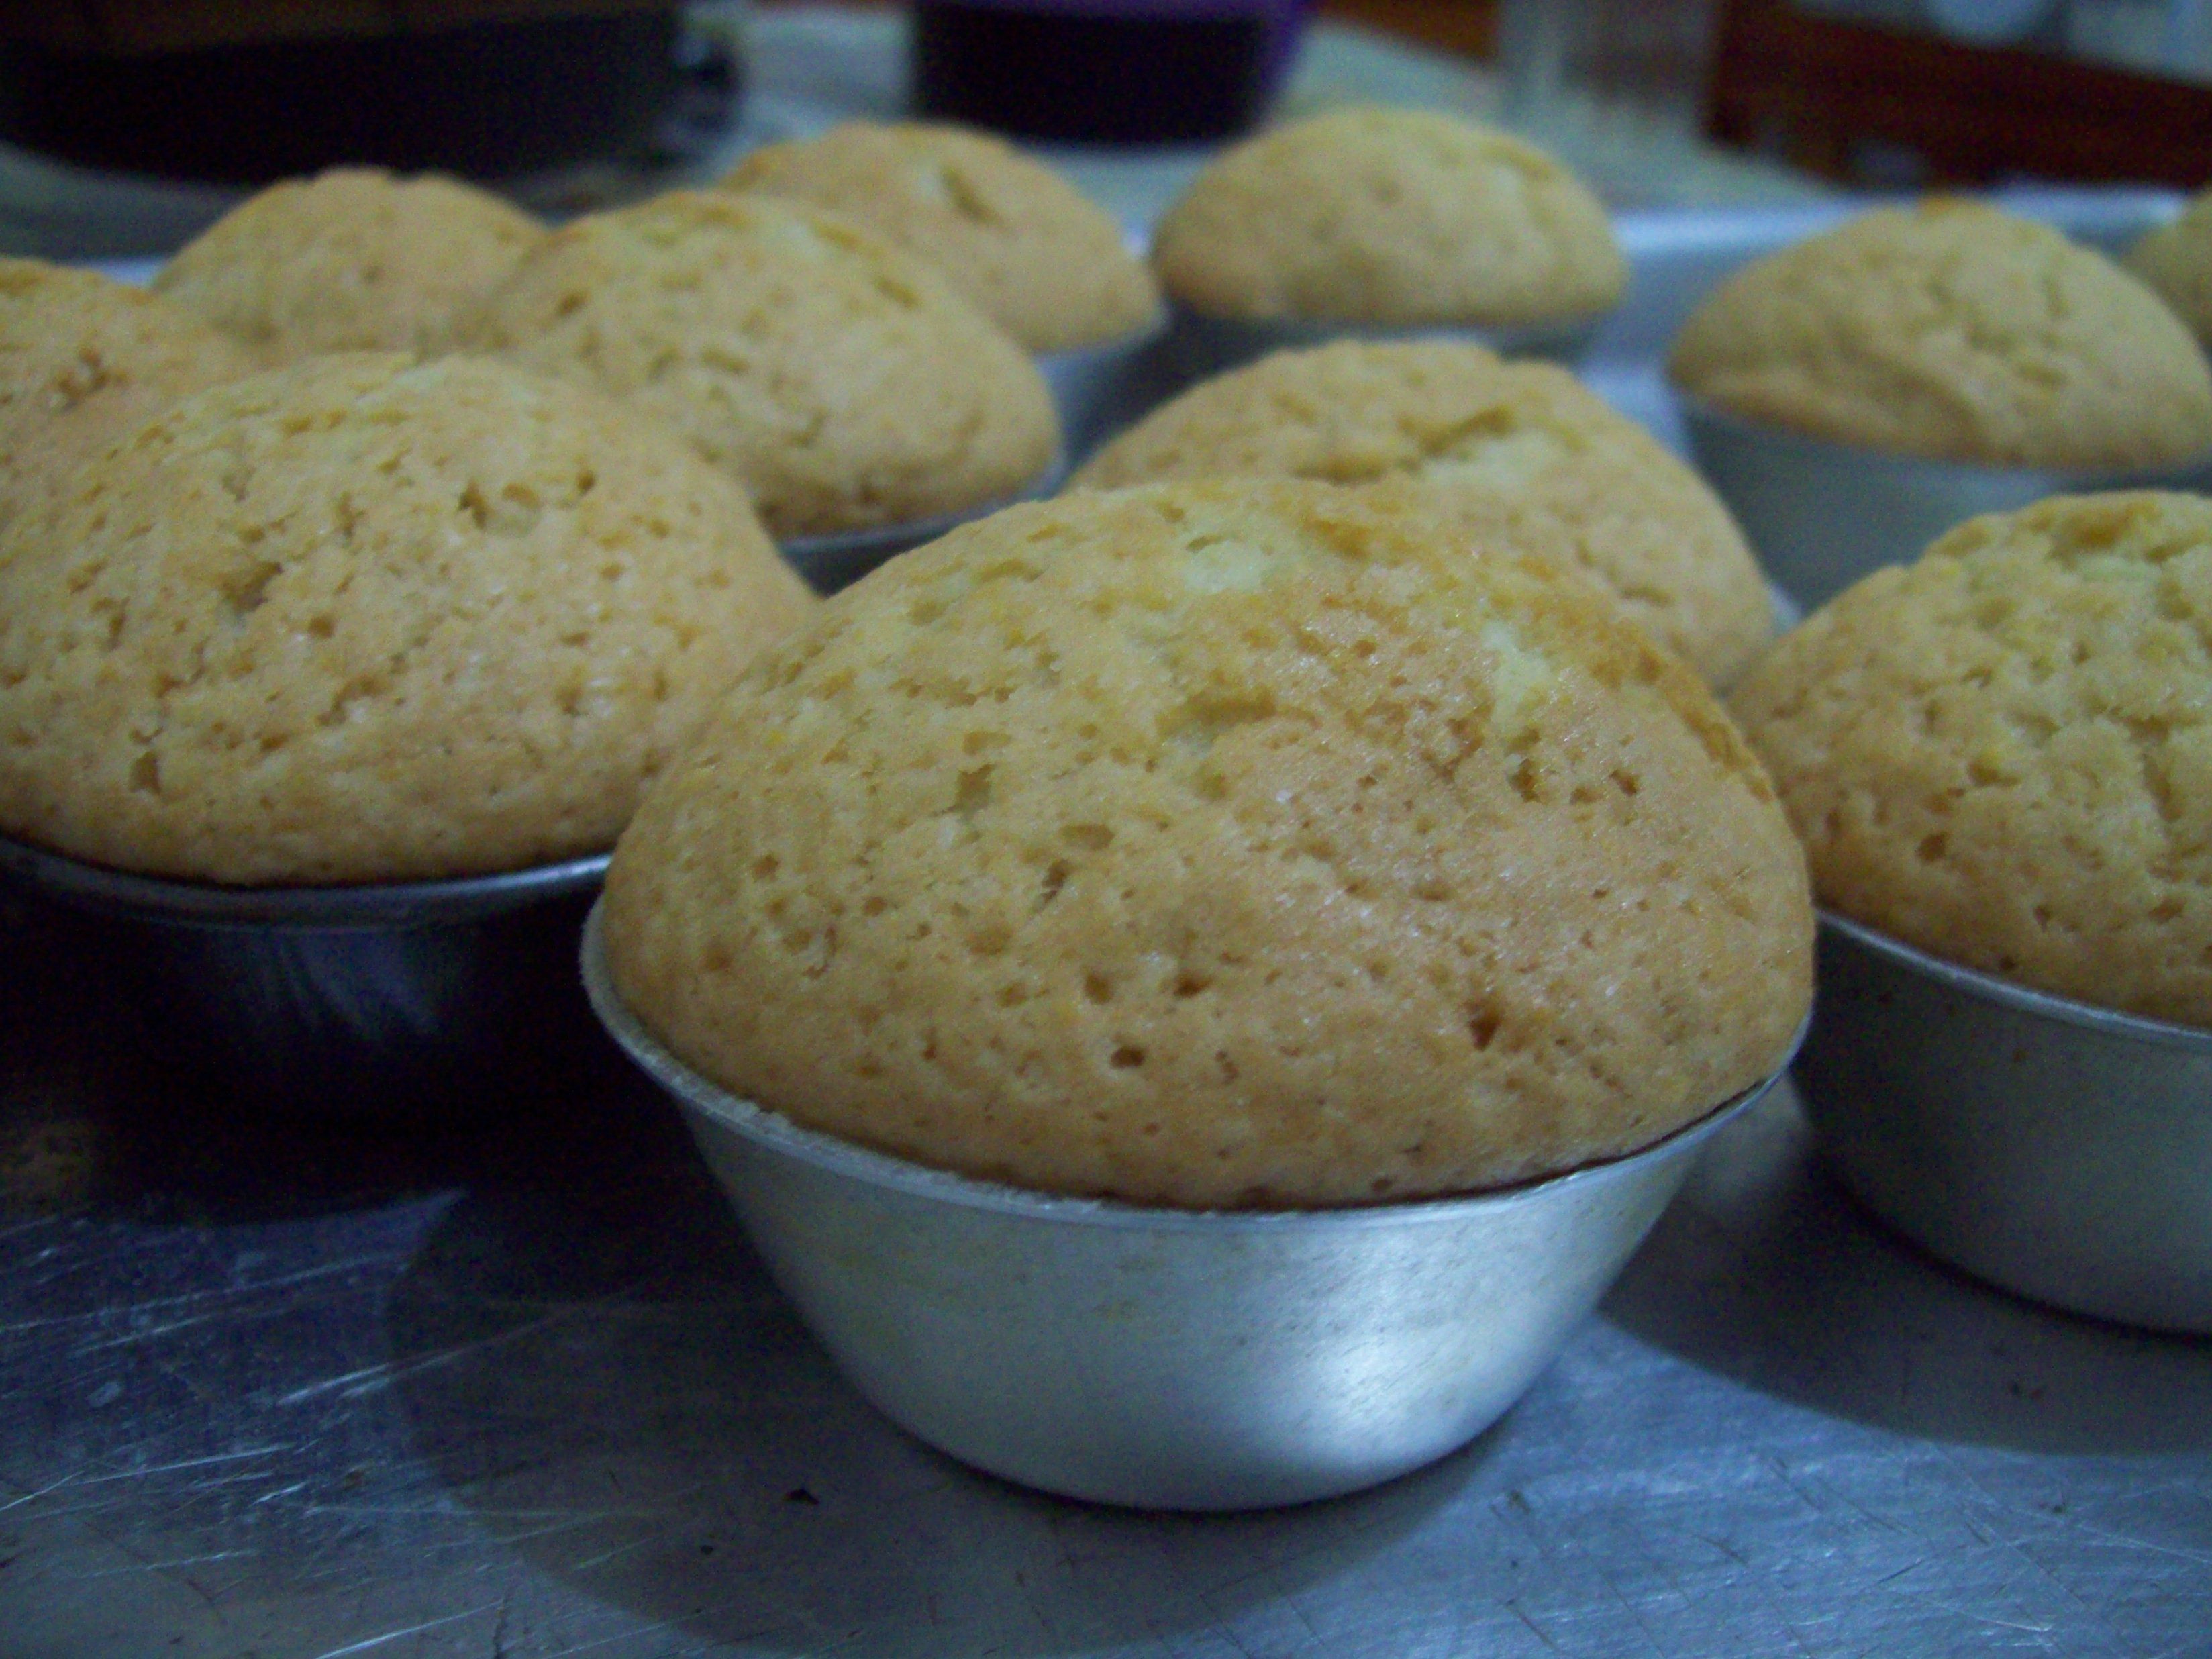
{"x": 515, "y": 1384}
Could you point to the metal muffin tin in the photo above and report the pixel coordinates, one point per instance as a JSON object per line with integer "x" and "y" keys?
{"x": 841, "y": 558}
{"x": 1100, "y": 389}
{"x": 1821, "y": 514}
{"x": 2062, "y": 1150}
{"x": 1168, "y": 1358}
{"x": 363, "y": 998}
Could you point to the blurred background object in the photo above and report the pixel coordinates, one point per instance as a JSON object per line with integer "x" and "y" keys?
{"x": 1640, "y": 61}
{"x": 245, "y": 92}
{"x": 1908, "y": 93}
{"x": 1104, "y": 71}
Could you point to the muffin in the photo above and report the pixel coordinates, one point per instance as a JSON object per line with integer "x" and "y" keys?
{"x": 2003, "y": 754}
{"x": 1388, "y": 217}
{"x": 2176, "y": 261}
{"x": 1954, "y": 332}
{"x": 842, "y": 382}
{"x": 1515, "y": 456}
{"x": 360, "y": 619}
{"x": 84, "y": 359}
{"x": 1017, "y": 240}
{"x": 352, "y": 260}
{"x": 1215, "y": 845}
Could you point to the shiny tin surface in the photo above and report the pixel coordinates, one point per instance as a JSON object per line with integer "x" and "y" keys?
{"x": 1100, "y": 389}
{"x": 1168, "y": 1358}
{"x": 370, "y": 997}
{"x": 1821, "y": 515}
{"x": 2062, "y": 1150}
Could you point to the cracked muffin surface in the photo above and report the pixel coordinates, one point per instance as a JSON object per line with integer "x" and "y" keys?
{"x": 2003, "y": 754}
{"x": 1220, "y": 844}
{"x": 84, "y": 359}
{"x": 1029, "y": 250}
{"x": 1953, "y": 331}
{"x": 1516, "y": 456}
{"x": 841, "y": 380}
{"x": 352, "y": 260}
{"x": 361, "y": 619}
{"x": 1388, "y": 217}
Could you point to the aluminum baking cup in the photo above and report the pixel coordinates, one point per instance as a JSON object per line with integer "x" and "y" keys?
{"x": 2061, "y": 1151}
{"x": 1100, "y": 389}
{"x": 1167, "y": 1359}
{"x": 376, "y": 997}
{"x": 840, "y": 558}
{"x": 1821, "y": 514}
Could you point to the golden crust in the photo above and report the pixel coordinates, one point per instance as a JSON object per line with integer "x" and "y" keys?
{"x": 1515, "y": 456}
{"x": 361, "y": 620}
{"x": 84, "y": 359}
{"x": 351, "y": 260}
{"x": 839, "y": 379}
{"x": 1388, "y": 217}
{"x": 1220, "y": 844}
{"x": 1020, "y": 243}
{"x": 1953, "y": 330}
{"x": 2176, "y": 261}
{"x": 2003, "y": 753}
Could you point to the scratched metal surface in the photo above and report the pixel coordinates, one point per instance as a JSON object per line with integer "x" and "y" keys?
{"x": 511, "y": 1383}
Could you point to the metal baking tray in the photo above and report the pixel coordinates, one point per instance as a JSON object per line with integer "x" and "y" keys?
{"x": 514, "y": 1384}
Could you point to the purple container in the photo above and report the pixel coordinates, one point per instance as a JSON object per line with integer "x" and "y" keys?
{"x": 1104, "y": 71}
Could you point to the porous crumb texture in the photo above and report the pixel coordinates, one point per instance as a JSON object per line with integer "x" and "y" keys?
{"x": 2176, "y": 260}
{"x": 1023, "y": 245}
{"x": 352, "y": 260}
{"x": 1953, "y": 331}
{"x": 84, "y": 359}
{"x": 841, "y": 380}
{"x": 2003, "y": 754}
{"x": 1216, "y": 845}
{"x": 1388, "y": 217}
{"x": 1515, "y": 456}
{"x": 359, "y": 619}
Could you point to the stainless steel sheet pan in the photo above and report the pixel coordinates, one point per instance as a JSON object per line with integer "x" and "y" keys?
{"x": 515, "y": 1385}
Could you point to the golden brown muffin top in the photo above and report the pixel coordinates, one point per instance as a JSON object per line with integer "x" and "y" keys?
{"x": 2003, "y": 754}
{"x": 362, "y": 620}
{"x": 1019, "y": 242}
{"x": 1388, "y": 217}
{"x": 842, "y": 381}
{"x": 1953, "y": 331}
{"x": 84, "y": 359}
{"x": 352, "y": 260}
{"x": 1216, "y": 844}
{"x": 2176, "y": 261}
{"x": 1518, "y": 456}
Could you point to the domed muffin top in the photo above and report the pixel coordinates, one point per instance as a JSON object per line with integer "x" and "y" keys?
{"x": 1953, "y": 331}
{"x": 2003, "y": 754}
{"x": 1023, "y": 245}
{"x": 1519, "y": 456}
{"x": 351, "y": 260}
{"x": 1388, "y": 217}
{"x": 2176, "y": 260}
{"x": 842, "y": 381}
{"x": 361, "y": 620}
{"x": 1218, "y": 844}
{"x": 84, "y": 358}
